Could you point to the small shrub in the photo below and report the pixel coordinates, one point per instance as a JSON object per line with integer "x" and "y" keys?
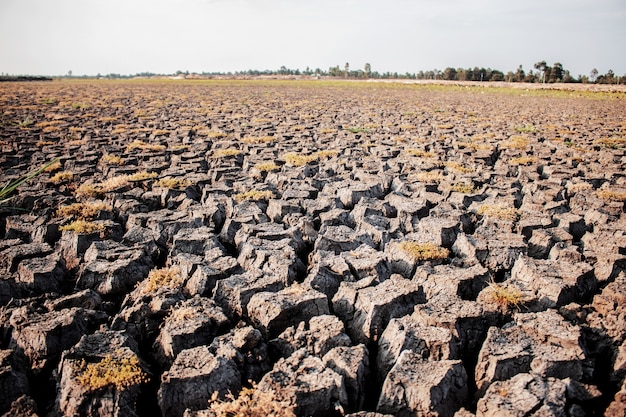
{"x": 298, "y": 160}
{"x": 61, "y": 177}
{"x": 83, "y": 211}
{"x": 120, "y": 372}
{"x": 165, "y": 277}
{"x": 499, "y": 212}
{"x": 83, "y": 227}
{"x": 424, "y": 251}
{"x": 173, "y": 183}
{"x": 253, "y": 195}
{"x": 251, "y": 403}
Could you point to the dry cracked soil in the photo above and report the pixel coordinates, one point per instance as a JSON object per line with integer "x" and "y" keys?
{"x": 324, "y": 248}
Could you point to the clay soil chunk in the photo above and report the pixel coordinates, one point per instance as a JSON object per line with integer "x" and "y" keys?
{"x": 415, "y": 387}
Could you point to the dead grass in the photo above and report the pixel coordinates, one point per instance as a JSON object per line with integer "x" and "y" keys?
{"x": 424, "y": 251}
{"x": 142, "y": 176}
{"x": 173, "y": 183}
{"x": 259, "y": 140}
{"x": 138, "y": 144}
{"x": 515, "y": 142}
{"x": 420, "y": 153}
{"x": 119, "y": 372}
{"x": 267, "y": 166}
{"x": 498, "y": 211}
{"x": 112, "y": 160}
{"x": 253, "y": 195}
{"x": 430, "y": 177}
{"x": 298, "y": 160}
{"x": 505, "y": 296}
{"x": 457, "y": 167}
{"x": 612, "y": 195}
{"x": 61, "y": 177}
{"x": 326, "y": 154}
{"x": 251, "y": 403}
{"x": 463, "y": 188}
{"x": 524, "y": 160}
{"x": 614, "y": 142}
{"x": 225, "y": 153}
{"x": 82, "y": 227}
{"x": 164, "y": 277}
{"x": 83, "y": 211}
{"x": 53, "y": 167}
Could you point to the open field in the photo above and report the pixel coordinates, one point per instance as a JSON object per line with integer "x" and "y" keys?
{"x": 411, "y": 249}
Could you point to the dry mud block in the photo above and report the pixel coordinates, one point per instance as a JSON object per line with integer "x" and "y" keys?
{"x": 532, "y": 395}
{"x": 193, "y": 378}
{"x": 318, "y": 335}
{"x": 43, "y": 337}
{"x": 366, "y": 310}
{"x": 416, "y": 387}
{"x": 100, "y": 376}
{"x": 352, "y": 362}
{"x": 307, "y": 383}
{"x": 13, "y": 379}
{"x": 543, "y": 343}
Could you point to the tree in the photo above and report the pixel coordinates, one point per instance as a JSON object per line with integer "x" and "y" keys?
{"x": 556, "y": 73}
{"x": 541, "y": 66}
{"x": 593, "y": 76}
{"x": 346, "y": 70}
{"x": 368, "y": 70}
{"x": 449, "y": 74}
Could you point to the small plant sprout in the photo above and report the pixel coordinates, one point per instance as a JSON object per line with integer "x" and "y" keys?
{"x": 62, "y": 177}
{"x": 424, "y": 251}
{"x": 498, "y": 211}
{"x": 165, "y": 277}
{"x": 82, "y": 227}
{"x": 253, "y": 196}
{"x": 116, "y": 371}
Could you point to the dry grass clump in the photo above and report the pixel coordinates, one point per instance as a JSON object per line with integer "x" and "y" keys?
{"x": 267, "y": 167}
{"x": 88, "y": 190}
{"x": 259, "y": 140}
{"x": 446, "y": 126}
{"x": 83, "y": 211}
{"x": 424, "y": 251}
{"x": 43, "y": 143}
{"x": 458, "y": 167}
{"x": 114, "y": 183}
{"x": 61, "y": 177}
{"x": 120, "y": 372}
{"x": 612, "y": 195}
{"x": 463, "y": 188}
{"x": 174, "y": 183}
{"x": 142, "y": 176}
{"x": 164, "y": 277}
{"x": 505, "y": 296}
{"x": 251, "y": 403}
{"x": 138, "y": 144}
{"x": 498, "y": 211}
{"x": 613, "y": 142}
{"x": 298, "y": 160}
{"x": 524, "y": 160}
{"x": 213, "y": 134}
{"x": 83, "y": 227}
{"x": 160, "y": 132}
{"x": 578, "y": 187}
{"x": 55, "y": 166}
{"x": 420, "y": 153}
{"x": 515, "y": 142}
{"x": 326, "y": 154}
{"x": 112, "y": 160}
{"x": 225, "y": 153}
{"x": 253, "y": 195}
{"x": 429, "y": 177}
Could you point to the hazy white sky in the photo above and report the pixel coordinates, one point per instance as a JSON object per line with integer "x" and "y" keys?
{"x": 129, "y": 36}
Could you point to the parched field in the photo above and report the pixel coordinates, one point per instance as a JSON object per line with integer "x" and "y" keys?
{"x": 328, "y": 247}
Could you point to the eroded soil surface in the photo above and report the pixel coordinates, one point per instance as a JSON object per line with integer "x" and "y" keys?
{"x": 400, "y": 249}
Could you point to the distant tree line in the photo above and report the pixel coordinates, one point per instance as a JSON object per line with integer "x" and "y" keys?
{"x": 541, "y": 73}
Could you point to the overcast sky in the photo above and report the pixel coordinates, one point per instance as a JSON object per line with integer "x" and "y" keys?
{"x": 52, "y": 37}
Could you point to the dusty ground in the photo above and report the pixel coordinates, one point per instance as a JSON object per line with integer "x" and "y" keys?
{"x": 277, "y": 202}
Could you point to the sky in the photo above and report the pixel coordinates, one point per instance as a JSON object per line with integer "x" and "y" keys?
{"x": 87, "y": 37}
